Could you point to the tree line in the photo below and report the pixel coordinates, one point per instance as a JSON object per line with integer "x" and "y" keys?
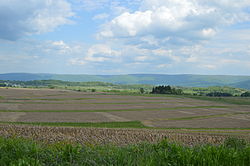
{"x": 162, "y": 89}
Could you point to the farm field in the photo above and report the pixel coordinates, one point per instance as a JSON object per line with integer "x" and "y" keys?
{"x": 155, "y": 116}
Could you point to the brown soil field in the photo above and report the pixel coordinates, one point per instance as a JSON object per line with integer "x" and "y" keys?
{"x": 151, "y": 111}
{"x": 111, "y": 136}
{"x": 214, "y": 122}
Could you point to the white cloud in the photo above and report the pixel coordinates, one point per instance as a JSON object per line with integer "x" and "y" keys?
{"x": 164, "y": 66}
{"x": 209, "y": 32}
{"x": 101, "y": 16}
{"x": 166, "y": 53}
{"x": 61, "y": 46}
{"x": 208, "y": 66}
{"x": 179, "y": 21}
{"x": 20, "y": 18}
{"x": 141, "y": 58}
{"x": 192, "y": 59}
{"x": 100, "y": 53}
{"x": 129, "y": 24}
{"x": 230, "y": 61}
{"x": 77, "y": 61}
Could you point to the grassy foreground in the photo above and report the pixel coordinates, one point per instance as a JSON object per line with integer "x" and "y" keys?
{"x": 23, "y": 152}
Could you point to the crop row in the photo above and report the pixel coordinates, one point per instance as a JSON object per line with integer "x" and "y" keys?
{"x": 107, "y": 135}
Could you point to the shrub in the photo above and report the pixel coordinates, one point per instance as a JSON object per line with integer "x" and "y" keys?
{"x": 246, "y": 94}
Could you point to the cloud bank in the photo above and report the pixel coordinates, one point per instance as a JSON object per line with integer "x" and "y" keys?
{"x": 20, "y": 18}
{"x": 177, "y": 22}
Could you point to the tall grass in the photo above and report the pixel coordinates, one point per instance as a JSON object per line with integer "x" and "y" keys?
{"x": 24, "y": 152}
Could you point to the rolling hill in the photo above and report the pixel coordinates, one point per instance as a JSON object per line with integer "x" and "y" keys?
{"x": 187, "y": 80}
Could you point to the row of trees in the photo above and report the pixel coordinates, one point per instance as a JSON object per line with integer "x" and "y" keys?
{"x": 246, "y": 94}
{"x": 166, "y": 90}
{"x": 162, "y": 89}
{"x": 219, "y": 94}
{"x": 223, "y": 94}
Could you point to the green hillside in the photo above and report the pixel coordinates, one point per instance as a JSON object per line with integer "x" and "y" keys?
{"x": 243, "y": 84}
{"x": 151, "y": 79}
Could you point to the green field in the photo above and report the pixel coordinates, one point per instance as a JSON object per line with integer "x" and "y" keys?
{"x": 21, "y": 152}
{"x": 130, "y": 124}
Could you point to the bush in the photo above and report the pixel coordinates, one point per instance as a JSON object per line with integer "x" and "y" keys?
{"x": 235, "y": 143}
{"x": 246, "y": 94}
{"x": 142, "y": 90}
{"x": 51, "y": 87}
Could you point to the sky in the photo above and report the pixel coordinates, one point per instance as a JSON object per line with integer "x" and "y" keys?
{"x": 125, "y": 36}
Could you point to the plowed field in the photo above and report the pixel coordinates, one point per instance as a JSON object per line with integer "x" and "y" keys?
{"x": 61, "y": 106}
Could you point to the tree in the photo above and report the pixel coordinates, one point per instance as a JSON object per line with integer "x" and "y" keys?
{"x": 142, "y": 90}
{"x": 166, "y": 90}
{"x": 246, "y": 94}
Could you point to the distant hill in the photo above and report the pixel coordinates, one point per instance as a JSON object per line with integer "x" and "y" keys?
{"x": 242, "y": 84}
{"x": 187, "y": 80}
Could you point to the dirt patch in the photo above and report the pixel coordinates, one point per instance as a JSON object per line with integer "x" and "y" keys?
{"x": 113, "y": 117}
{"x": 166, "y": 114}
{"x": 64, "y": 117}
{"x": 215, "y": 122}
{"x": 11, "y": 116}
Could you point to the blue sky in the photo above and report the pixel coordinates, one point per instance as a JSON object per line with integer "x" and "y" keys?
{"x": 125, "y": 36}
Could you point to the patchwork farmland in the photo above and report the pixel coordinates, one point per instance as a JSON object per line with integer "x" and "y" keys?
{"x": 156, "y": 116}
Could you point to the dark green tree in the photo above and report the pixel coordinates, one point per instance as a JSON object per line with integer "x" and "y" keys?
{"x": 142, "y": 90}
{"x": 246, "y": 94}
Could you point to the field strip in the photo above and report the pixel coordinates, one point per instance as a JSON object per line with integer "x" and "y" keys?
{"x": 115, "y": 110}
{"x": 12, "y": 116}
{"x": 241, "y": 117}
{"x": 113, "y": 117}
{"x": 186, "y": 112}
{"x": 203, "y": 117}
{"x": 148, "y": 95}
{"x": 126, "y": 124}
{"x": 52, "y": 99}
{"x": 226, "y": 100}
{"x": 131, "y": 125}
{"x": 90, "y": 103}
{"x": 52, "y": 95}
{"x": 89, "y": 98}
